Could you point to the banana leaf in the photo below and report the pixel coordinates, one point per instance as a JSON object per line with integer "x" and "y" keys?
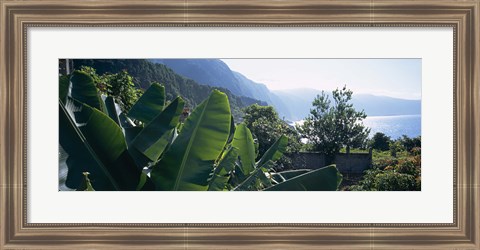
{"x": 189, "y": 161}
{"x": 126, "y": 122}
{"x": 157, "y": 134}
{"x": 220, "y": 175}
{"x": 254, "y": 179}
{"x": 131, "y": 133}
{"x": 285, "y": 175}
{"x": 323, "y": 179}
{"x": 106, "y": 140}
{"x": 149, "y": 105}
{"x": 64, "y": 85}
{"x": 232, "y": 131}
{"x": 113, "y": 110}
{"x": 275, "y": 151}
{"x": 83, "y": 89}
{"x": 243, "y": 181}
{"x": 81, "y": 157}
{"x": 243, "y": 140}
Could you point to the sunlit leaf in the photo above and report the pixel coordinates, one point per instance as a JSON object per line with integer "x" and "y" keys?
{"x": 275, "y": 151}
{"x": 149, "y": 105}
{"x": 189, "y": 161}
{"x": 157, "y": 134}
{"x": 220, "y": 175}
{"x": 243, "y": 140}
{"x": 323, "y": 179}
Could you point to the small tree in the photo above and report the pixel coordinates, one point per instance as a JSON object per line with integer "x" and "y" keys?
{"x": 120, "y": 86}
{"x": 396, "y": 147}
{"x": 266, "y": 126}
{"x": 380, "y": 141}
{"x": 330, "y": 127}
{"x": 410, "y": 143}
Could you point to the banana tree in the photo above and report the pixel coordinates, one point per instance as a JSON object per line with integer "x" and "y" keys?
{"x": 95, "y": 139}
{"x": 149, "y": 149}
{"x": 238, "y": 171}
{"x": 189, "y": 161}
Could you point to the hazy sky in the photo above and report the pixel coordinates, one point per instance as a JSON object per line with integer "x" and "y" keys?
{"x": 400, "y": 78}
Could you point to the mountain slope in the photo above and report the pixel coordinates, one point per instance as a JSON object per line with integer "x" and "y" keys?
{"x": 261, "y": 92}
{"x": 291, "y": 104}
{"x": 214, "y": 72}
{"x": 145, "y": 72}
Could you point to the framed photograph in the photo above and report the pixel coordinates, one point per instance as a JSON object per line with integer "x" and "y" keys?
{"x": 362, "y": 116}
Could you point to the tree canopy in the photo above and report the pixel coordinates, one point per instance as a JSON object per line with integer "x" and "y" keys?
{"x": 333, "y": 124}
{"x": 380, "y": 141}
{"x": 266, "y": 126}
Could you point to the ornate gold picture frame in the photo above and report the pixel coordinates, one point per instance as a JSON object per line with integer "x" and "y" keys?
{"x": 17, "y": 16}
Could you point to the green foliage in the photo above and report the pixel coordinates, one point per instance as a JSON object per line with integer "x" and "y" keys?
{"x": 380, "y": 141}
{"x": 266, "y": 126}
{"x": 154, "y": 138}
{"x": 411, "y": 143}
{"x": 189, "y": 162}
{"x": 120, "y": 86}
{"x": 330, "y": 127}
{"x": 223, "y": 170}
{"x": 262, "y": 177}
{"x": 112, "y": 109}
{"x": 94, "y": 142}
{"x": 205, "y": 152}
{"x": 288, "y": 174}
{"x": 394, "y": 181}
{"x": 108, "y": 143}
{"x": 81, "y": 157}
{"x": 274, "y": 152}
{"x": 396, "y": 147}
{"x": 150, "y": 104}
{"x": 399, "y": 172}
{"x": 123, "y": 89}
{"x": 144, "y": 73}
{"x": 84, "y": 90}
{"x": 250, "y": 173}
{"x": 64, "y": 84}
{"x": 315, "y": 180}
{"x": 243, "y": 140}
{"x": 382, "y": 159}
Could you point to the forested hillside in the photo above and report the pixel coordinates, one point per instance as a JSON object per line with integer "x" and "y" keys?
{"x": 215, "y": 72}
{"x": 146, "y": 72}
{"x": 292, "y": 104}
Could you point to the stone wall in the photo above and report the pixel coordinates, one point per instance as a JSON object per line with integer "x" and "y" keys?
{"x": 307, "y": 160}
{"x": 354, "y": 163}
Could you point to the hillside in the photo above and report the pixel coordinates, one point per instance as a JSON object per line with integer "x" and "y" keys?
{"x": 215, "y": 72}
{"x": 292, "y": 104}
{"x": 195, "y": 78}
{"x": 146, "y": 72}
{"x": 210, "y": 72}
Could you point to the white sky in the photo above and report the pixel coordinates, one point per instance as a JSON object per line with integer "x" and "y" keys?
{"x": 401, "y": 78}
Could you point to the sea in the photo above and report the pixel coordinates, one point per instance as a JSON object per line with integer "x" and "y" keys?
{"x": 393, "y": 126}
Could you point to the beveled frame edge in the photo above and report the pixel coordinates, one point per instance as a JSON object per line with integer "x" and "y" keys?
{"x": 15, "y": 16}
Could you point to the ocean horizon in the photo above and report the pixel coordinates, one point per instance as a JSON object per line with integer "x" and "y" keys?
{"x": 394, "y": 126}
